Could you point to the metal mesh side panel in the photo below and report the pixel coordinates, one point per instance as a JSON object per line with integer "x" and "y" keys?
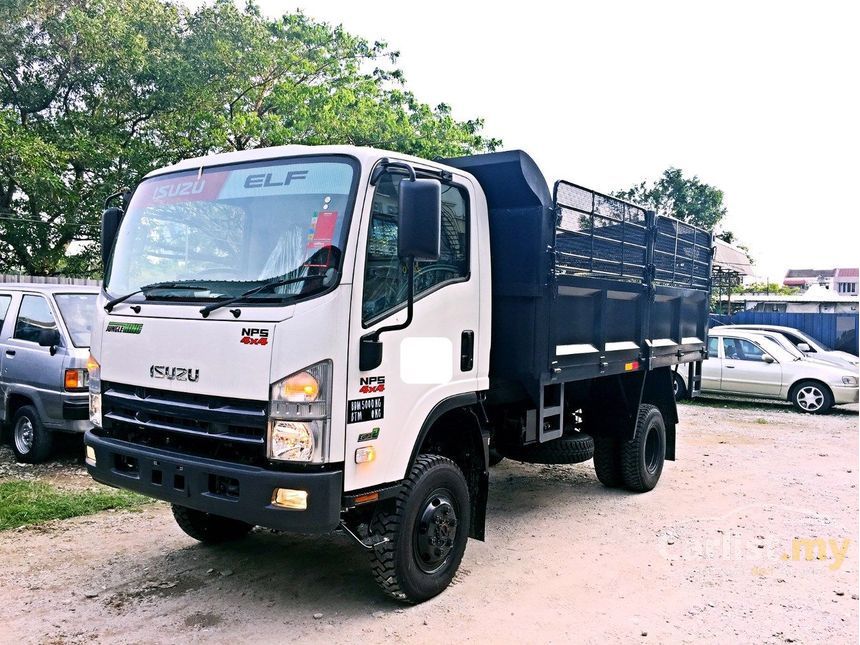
{"x": 597, "y": 234}
{"x": 682, "y": 254}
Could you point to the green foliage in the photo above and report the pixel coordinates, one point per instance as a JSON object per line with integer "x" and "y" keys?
{"x": 686, "y": 199}
{"x": 29, "y": 502}
{"x": 772, "y": 288}
{"x": 95, "y": 93}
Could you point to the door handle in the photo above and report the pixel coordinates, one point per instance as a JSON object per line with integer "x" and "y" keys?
{"x": 10, "y": 352}
{"x": 467, "y": 350}
{"x": 730, "y": 367}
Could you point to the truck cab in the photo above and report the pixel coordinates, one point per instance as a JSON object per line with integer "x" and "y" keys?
{"x": 320, "y": 338}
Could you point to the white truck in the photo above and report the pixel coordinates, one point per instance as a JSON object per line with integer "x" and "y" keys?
{"x": 337, "y": 338}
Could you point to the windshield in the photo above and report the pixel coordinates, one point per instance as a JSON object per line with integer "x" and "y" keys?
{"x": 78, "y": 311}
{"x": 786, "y": 344}
{"x": 231, "y": 228}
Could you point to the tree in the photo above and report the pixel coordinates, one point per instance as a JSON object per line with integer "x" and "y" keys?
{"x": 772, "y": 288}
{"x": 95, "y": 93}
{"x": 687, "y": 199}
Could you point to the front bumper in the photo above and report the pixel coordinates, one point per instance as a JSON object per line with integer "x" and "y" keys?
{"x": 844, "y": 394}
{"x": 231, "y": 490}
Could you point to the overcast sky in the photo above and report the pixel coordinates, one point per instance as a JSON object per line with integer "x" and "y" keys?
{"x": 757, "y": 98}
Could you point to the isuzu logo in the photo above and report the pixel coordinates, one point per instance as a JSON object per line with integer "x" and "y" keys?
{"x": 174, "y": 373}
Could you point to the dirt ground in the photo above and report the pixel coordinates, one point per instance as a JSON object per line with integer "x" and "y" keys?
{"x": 712, "y": 553}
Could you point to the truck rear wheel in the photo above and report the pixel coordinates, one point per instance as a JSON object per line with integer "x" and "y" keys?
{"x": 31, "y": 441}
{"x": 424, "y": 531}
{"x": 208, "y": 528}
{"x": 642, "y": 457}
{"x": 607, "y": 461}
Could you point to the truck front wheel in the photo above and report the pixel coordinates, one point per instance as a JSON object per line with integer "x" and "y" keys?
{"x": 208, "y": 528}
{"x": 421, "y": 535}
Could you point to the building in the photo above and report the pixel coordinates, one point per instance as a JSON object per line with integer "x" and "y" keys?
{"x": 845, "y": 281}
{"x": 842, "y": 281}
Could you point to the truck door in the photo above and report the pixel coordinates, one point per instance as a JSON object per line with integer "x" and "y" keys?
{"x": 745, "y": 372}
{"x": 429, "y": 360}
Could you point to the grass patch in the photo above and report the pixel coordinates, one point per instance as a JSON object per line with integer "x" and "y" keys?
{"x": 27, "y": 502}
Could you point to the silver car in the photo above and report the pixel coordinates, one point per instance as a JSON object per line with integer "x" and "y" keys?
{"x": 748, "y": 363}
{"x": 44, "y": 347}
{"x": 805, "y": 343}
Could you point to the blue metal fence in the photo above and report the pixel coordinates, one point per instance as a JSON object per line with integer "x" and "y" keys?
{"x": 839, "y": 331}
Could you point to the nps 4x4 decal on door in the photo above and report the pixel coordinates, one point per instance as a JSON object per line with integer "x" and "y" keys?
{"x": 254, "y": 336}
{"x": 371, "y": 384}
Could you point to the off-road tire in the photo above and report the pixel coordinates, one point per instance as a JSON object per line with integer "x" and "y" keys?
{"x": 678, "y": 387}
{"x": 607, "y": 461}
{"x": 643, "y": 456}
{"x": 396, "y": 530}
{"x": 811, "y": 392}
{"x": 208, "y": 528}
{"x": 31, "y": 441}
{"x": 573, "y": 448}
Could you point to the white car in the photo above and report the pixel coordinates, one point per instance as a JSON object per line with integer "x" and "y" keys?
{"x": 807, "y": 344}
{"x": 747, "y": 363}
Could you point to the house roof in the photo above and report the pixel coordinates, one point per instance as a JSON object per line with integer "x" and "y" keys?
{"x": 731, "y": 258}
{"x": 810, "y": 273}
{"x": 847, "y": 273}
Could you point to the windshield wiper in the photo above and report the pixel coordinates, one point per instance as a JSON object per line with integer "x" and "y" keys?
{"x": 110, "y": 304}
{"x": 327, "y": 279}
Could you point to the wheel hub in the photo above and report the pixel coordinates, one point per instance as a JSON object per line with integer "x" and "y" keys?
{"x": 24, "y": 436}
{"x": 810, "y": 398}
{"x": 435, "y": 532}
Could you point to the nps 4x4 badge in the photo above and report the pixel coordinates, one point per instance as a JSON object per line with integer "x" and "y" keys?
{"x": 124, "y": 327}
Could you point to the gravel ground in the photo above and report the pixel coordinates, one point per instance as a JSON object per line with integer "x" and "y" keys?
{"x": 709, "y": 554}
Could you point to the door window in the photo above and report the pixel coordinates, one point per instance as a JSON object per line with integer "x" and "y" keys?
{"x": 5, "y": 301}
{"x": 713, "y": 342}
{"x": 34, "y": 317}
{"x": 741, "y": 350}
{"x": 385, "y": 282}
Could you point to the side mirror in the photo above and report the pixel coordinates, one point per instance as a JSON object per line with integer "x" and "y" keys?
{"x": 767, "y": 358}
{"x": 111, "y": 217}
{"x": 49, "y": 338}
{"x": 420, "y": 219}
{"x": 804, "y": 347}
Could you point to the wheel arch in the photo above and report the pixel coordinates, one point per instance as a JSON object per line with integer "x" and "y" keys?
{"x": 456, "y": 428}
{"x": 798, "y": 382}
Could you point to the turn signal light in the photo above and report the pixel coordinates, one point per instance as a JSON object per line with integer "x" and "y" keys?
{"x": 75, "y": 379}
{"x": 301, "y": 387}
{"x": 365, "y": 455}
{"x": 629, "y": 367}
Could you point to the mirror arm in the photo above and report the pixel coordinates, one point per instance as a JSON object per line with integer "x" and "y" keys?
{"x": 370, "y": 349}
{"x": 410, "y": 297}
{"x": 383, "y": 166}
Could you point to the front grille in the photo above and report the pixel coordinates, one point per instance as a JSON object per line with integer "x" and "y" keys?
{"x": 206, "y": 426}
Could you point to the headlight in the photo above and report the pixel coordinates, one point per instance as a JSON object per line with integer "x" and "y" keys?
{"x": 292, "y": 441}
{"x": 94, "y": 371}
{"x": 849, "y": 380}
{"x": 299, "y": 413}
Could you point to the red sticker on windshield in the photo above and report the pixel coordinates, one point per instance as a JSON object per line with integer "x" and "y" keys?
{"x": 183, "y": 189}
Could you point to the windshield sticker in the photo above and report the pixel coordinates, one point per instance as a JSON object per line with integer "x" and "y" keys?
{"x": 361, "y": 410}
{"x": 259, "y": 181}
{"x": 124, "y": 327}
{"x": 321, "y": 233}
